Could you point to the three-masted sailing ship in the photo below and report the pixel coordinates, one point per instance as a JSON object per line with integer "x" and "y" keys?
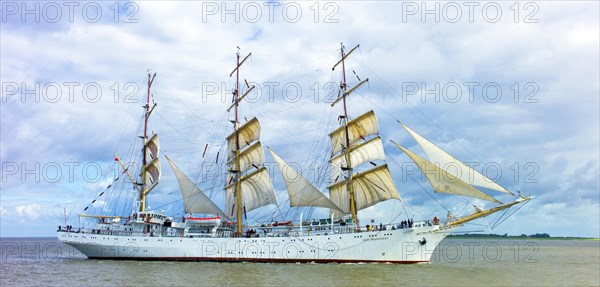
{"x": 360, "y": 178}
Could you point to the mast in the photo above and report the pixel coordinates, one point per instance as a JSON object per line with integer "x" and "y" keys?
{"x": 145, "y": 190}
{"x": 236, "y": 100}
{"x": 345, "y": 92}
{"x": 349, "y": 187}
{"x": 238, "y": 190}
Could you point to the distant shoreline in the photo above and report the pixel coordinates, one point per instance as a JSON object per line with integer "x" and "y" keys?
{"x": 518, "y": 237}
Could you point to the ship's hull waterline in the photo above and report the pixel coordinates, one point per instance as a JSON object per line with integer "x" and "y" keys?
{"x": 403, "y": 246}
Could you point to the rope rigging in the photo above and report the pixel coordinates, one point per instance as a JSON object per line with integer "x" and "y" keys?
{"x": 202, "y": 143}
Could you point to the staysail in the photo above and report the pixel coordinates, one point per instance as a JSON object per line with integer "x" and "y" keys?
{"x": 194, "y": 199}
{"x": 301, "y": 192}
{"x": 444, "y": 182}
{"x": 461, "y": 170}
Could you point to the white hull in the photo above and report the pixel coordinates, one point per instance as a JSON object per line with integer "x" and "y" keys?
{"x": 410, "y": 245}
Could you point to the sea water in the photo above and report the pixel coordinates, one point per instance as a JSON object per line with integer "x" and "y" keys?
{"x": 456, "y": 262}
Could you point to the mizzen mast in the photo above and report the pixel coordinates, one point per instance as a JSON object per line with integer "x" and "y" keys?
{"x": 150, "y": 164}
{"x": 150, "y": 172}
{"x": 345, "y": 92}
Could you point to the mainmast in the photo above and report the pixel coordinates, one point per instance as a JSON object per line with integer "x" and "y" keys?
{"x": 345, "y": 92}
{"x": 237, "y": 172}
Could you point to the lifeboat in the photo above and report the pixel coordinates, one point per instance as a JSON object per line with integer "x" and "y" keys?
{"x": 203, "y": 220}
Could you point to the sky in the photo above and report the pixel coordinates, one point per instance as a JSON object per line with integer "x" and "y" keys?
{"x": 512, "y": 88}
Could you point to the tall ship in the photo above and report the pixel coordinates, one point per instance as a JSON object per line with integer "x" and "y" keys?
{"x": 359, "y": 178}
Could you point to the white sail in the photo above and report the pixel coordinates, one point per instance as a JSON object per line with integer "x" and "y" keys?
{"x": 444, "y": 182}
{"x": 194, "y": 199}
{"x": 153, "y": 166}
{"x": 248, "y": 133}
{"x": 152, "y": 147}
{"x": 257, "y": 191}
{"x": 359, "y": 154}
{"x": 359, "y": 128}
{"x": 370, "y": 187}
{"x": 153, "y": 171}
{"x": 459, "y": 169}
{"x": 252, "y": 157}
{"x": 300, "y": 190}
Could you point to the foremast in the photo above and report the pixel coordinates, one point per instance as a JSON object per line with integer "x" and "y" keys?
{"x": 344, "y": 93}
{"x": 354, "y": 143}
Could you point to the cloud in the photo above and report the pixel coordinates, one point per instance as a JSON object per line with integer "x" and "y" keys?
{"x": 31, "y": 218}
{"x": 99, "y": 203}
{"x": 29, "y": 211}
{"x": 542, "y": 132}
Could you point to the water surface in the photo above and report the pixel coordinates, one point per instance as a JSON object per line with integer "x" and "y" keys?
{"x": 456, "y": 262}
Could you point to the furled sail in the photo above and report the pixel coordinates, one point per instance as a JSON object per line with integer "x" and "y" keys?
{"x": 152, "y": 147}
{"x": 253, "y": 156}
{"x": 370, "y": 187}
{"x": 248, "y": 133}
{"x": 359, "y": 128}
{"x": 256, "y": 189}
{"x": 444, "y": 159}
{"x": 300, "y": 190}
{"x": 359, "y": 154}
{"x": 153, "y": 165}
{"x": 444, "y": 182}
{"x": 153, "y": 171}
{"x": 194, "y": 199}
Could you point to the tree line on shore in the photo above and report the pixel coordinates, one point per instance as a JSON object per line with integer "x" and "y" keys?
{"x": 505, "y": 235}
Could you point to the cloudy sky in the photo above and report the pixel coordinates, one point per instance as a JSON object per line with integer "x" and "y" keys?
{"x": 510, "y": 87}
